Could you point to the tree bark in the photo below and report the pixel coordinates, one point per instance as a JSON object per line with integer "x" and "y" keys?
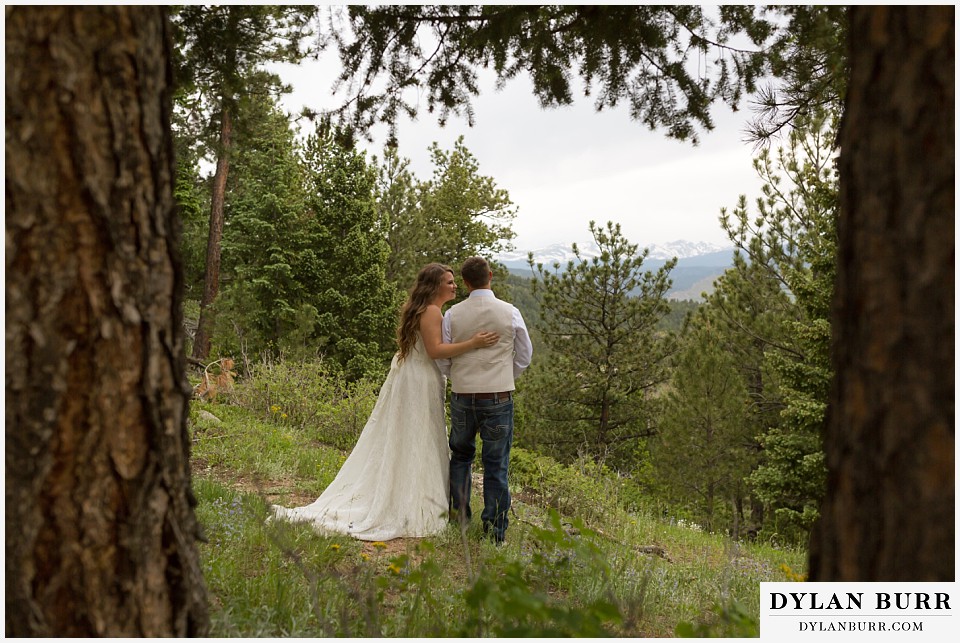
{"x": 100, "y": 528}
{"x": 211, "y": 279}
{"x": 889, "y": 436}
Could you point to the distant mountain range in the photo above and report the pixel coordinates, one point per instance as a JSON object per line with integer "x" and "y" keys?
{"x": 698, "y": 263}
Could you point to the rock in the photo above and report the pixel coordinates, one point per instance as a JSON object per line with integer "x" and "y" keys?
{"x": 207, "y": 416}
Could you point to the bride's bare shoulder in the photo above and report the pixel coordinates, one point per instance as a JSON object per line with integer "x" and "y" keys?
{"x": 431, "y": 318}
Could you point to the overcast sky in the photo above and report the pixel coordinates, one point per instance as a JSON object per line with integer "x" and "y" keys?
{"x": 567, "y": 166}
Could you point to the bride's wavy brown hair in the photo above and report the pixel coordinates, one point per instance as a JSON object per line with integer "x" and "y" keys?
{"x": 423, "y": 291}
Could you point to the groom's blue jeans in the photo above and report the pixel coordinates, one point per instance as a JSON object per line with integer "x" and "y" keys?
{"x": 493, "y": 420}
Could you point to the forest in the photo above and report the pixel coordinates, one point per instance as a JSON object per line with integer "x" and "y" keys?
{"x": 319, "y": 243}
{"x": 228, "y": 309}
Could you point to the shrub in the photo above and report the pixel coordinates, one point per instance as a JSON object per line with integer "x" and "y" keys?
{"x": 512, "y": 599}
{"x": 312, "y": 396}
{"x": 582, "y": 489}
{"x": 725, "y": 621}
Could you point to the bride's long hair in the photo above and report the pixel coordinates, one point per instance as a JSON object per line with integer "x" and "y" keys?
{"x": 422, "y": 293}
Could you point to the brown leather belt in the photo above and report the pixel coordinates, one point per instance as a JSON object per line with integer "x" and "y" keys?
{"x": 485, "y": 396}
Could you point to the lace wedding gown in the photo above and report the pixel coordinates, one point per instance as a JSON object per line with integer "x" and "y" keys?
{"x": 395, "y": 481}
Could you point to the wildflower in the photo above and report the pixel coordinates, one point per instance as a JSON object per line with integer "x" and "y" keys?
{"x": 364, "y": 555}
{"x": 274, "y": 408}
{"x": 379, "y": 545}
{"x": 792, "y": 575}
{"x": 393, "y": 568}
{"x": 335, "y": 547}
{"x": 283, "y": 415}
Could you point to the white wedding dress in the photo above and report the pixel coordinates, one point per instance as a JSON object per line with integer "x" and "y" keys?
{"x": 395, "y": 482}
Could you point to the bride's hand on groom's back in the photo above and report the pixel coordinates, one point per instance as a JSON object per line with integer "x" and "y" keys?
{"x": 484, "y": 339}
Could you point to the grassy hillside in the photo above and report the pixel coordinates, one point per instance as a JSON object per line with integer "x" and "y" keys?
{"x": 583, "y": 556}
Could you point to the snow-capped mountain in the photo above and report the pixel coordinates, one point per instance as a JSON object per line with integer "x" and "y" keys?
{"x": 563, "y": 252}
{"x": 698, "y": 263}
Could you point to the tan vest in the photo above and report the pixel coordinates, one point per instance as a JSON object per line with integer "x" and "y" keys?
{"x": 485, "y": 370}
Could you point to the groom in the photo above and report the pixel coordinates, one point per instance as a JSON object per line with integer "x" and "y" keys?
{"x": 482, "y": 400}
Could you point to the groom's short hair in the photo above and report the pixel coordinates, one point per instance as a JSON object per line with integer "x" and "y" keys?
{"x": 476, "y": 272}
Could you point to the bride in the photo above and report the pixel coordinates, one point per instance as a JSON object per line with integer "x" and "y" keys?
{"x": 395, "y": 482}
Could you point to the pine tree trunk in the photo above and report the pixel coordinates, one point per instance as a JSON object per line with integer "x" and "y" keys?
{"x": 100, "y": 528}
{"x": 211, "y": 279}
{"x": 889, "y": 508}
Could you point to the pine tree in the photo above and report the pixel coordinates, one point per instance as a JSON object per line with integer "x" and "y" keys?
{"x": 792, "y": 238}
{"x": 748, "y": 314}
{"x": 638, "y": 55}
{"x": 398, "y": 207}
{"x": 704, "y": 447}
{"x": 222, "y": 51}
{"x": 344, "y": 257}
{"x": 262, "y": 303}
{"x": 594, "y": 390}
{"x": 101, "y": 533}
{"x": 889, "y": 510}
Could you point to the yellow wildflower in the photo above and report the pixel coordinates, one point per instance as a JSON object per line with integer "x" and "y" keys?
{"x": 380, "y": 545}
{"x": 792, "y": 575}
{"x": 393, "y": 568}
{"x": 274, "y": 408}
{"x": 335, "y": 547}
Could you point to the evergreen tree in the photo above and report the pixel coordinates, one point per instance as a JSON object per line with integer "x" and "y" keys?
{"x": 304, "y": 249}
{"x": 634, "y": 54}
{"x": 192, "y": 196}
{"x": 793, "y": 239}
{"x": 398, "y": 206}
{"x": 808, "y": 68}
{"x": 101, "y": 530}
{"x": 889, "y": 510}
{"x": 220, "y": 57}
{"x": 594, "y": 392}
{"x": 770, "y": 313}
{"x": 703, "y": 449}
{"x": 749, "y": 311}
{"x": 263, "y": 303}
{"x": 344, "y": 257}
{"x": 465, "y": 213}
{"x": 748, "y": 315}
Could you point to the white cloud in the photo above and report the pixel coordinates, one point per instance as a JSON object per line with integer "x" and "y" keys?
{"x": 566, "y": 166}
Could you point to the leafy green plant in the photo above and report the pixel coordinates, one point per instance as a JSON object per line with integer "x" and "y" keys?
{"x": 506, "y": 606}
{"x": 729, "y": 621}
{"x": 311, "y": 395}
{"x": 584, "y": 488}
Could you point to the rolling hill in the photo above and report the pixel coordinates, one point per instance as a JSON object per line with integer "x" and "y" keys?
{"x": 698, "y": 263}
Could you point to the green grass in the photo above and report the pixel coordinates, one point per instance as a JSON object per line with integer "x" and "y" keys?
{"x": 574, "y": 563}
